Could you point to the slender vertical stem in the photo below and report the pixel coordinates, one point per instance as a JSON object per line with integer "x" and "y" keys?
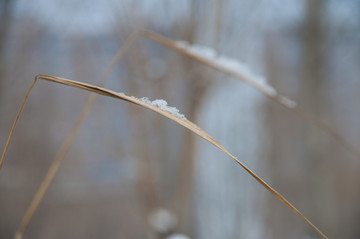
{"x": 16, "y": 121}
{"x": 68, "y": 141}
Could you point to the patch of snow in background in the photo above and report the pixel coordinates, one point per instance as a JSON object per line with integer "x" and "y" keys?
{"x": 177, "y": 236}
{"x": 162, "y": 220}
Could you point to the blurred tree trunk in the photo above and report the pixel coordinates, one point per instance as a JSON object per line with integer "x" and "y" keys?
{"x": 198, "y": 85}
{"x": 274, "y": 122}
{"x": 5, "y": 10}
{"x": 301, "y": 162}
{"x": 317, "y": 156}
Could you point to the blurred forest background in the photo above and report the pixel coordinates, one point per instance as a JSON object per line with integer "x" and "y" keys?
{"x": 128, "y": 165}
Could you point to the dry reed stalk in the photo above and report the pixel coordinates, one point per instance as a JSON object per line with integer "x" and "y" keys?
{"x": 170, "y": 44}
{"x": 67, "y": 142}
{"x": 181, "y": 121}
{"x": 278, "y": 98}
{"x": 91, "y": 100}
{"x": 15, "y": 123}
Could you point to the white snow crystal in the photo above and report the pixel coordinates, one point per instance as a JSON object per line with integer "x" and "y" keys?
{"x": 162, "y": 104}
{"x": 159, "y": 103}
{"x": 145, "y": 99}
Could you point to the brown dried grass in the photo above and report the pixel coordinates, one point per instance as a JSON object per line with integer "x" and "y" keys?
{"x": 97, "y": 90}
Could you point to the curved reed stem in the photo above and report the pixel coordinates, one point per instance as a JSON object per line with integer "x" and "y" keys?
{"x": 182, "y": 121}
{"x": 68, "y": 141}
{"x": 97, "y": 90}
{"x": 15, "y": 122}
{"x": 278, "y": 98}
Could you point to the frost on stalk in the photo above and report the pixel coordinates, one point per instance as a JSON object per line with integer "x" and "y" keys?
{"x": 287, "y": 102}
{"x": 198, "y": 49}
{"x": 162, "y": 104}
{"x": 230, "y": 64}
